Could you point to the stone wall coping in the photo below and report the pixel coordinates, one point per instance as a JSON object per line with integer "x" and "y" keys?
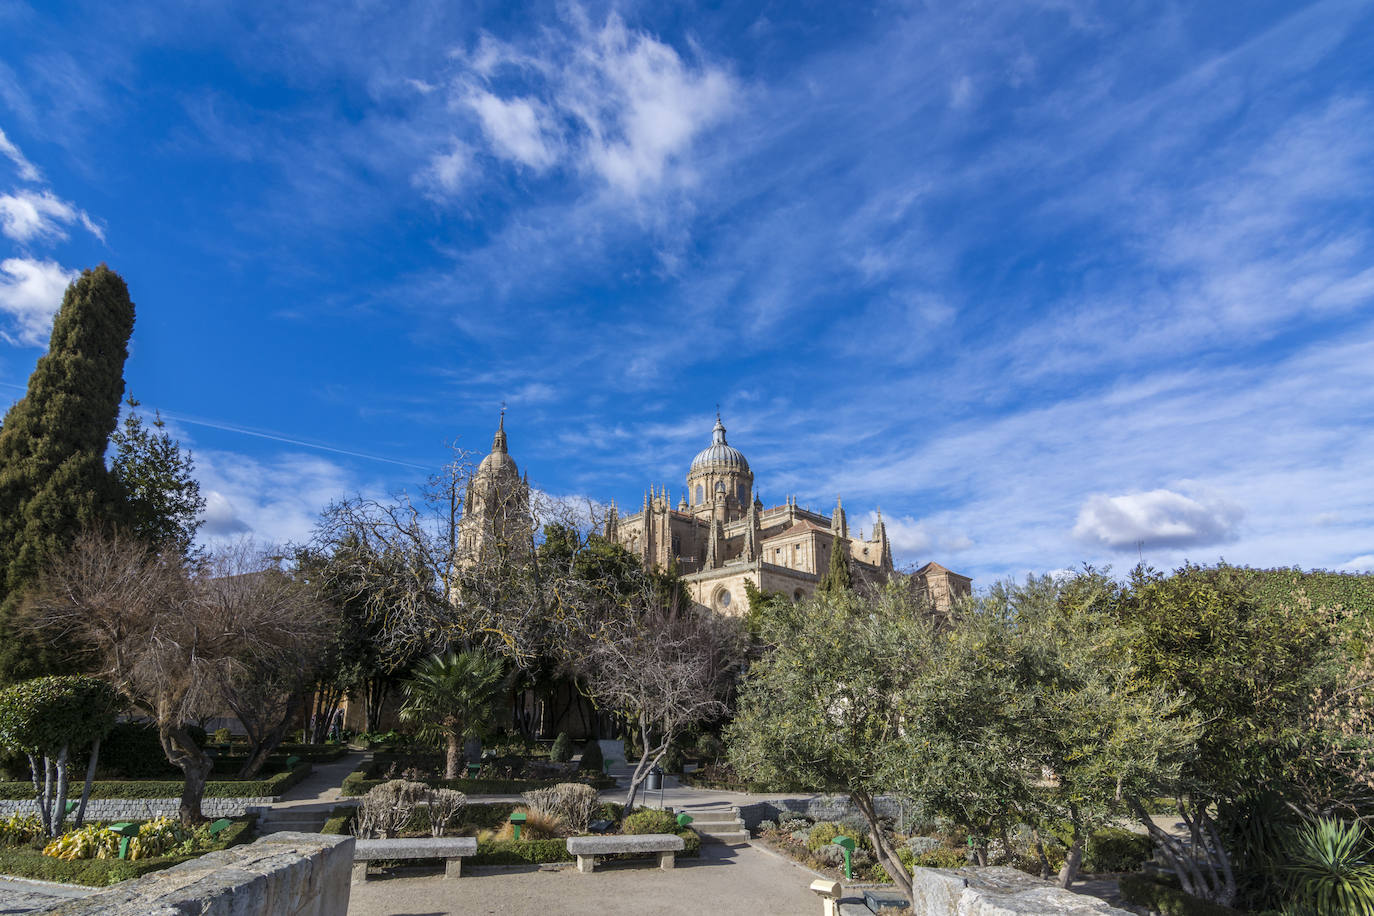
{"x": 643, "y": 842}
{"x": 428, "y": 847}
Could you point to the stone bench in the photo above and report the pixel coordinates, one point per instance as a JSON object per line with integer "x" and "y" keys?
{"x": 452, "y": 849}
{"x": 587, "y": 848}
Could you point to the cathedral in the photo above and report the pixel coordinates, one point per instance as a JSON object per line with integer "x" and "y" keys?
{"x": 719, "y": 536}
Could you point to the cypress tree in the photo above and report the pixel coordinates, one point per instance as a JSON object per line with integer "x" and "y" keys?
{"x": 837, "y": 578}
{"x": 53, "y": 480}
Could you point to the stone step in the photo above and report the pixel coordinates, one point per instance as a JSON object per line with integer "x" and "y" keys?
{"x": 726, "y": 837}
{"x": 714, "y": 817}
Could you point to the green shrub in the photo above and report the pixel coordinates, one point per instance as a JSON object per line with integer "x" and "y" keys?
{"x": 592, "y": 761}
{"x": 1166, "y": 900}
{"x": 691, "y": 841}
{"x": 19, "y": 829}
{"x": 562, "y": 750}
{"x": 223, "y": 736}
{"x": 650, "y": 820}
{"x": 340, "y": 821}
{"x": 821, "y": 834}
{"x": 520, "y": 852}
{"x": 1112, "y": 849}
{"x": 709, "y": 748}
{"x": 941, "y": 857}
{"x": 672, "y": 761}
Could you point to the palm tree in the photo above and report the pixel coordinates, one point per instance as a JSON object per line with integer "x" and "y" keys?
{"x": 450, "y": 698}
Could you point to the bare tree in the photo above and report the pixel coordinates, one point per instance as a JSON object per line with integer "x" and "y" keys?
{"x": 665, "y": 668}
{"x": 170, "y": 639}
{"x": 267, "y": 686}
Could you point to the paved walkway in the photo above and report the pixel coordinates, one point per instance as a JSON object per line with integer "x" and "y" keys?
{"x": 322, "y": 785}
{"x": 724, "y": 881}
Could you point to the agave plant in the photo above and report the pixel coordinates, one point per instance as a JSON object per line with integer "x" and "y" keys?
{"x": 1329, "y": 870}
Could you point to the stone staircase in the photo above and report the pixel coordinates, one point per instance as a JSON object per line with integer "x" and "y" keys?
{"x": 719, "y": 825}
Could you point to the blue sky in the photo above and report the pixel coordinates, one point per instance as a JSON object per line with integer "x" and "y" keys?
{"x": 1049, "y": 283}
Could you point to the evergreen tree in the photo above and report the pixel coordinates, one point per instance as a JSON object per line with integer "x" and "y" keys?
{"x": 837, "y": 578}
{"x": 164, "y": 501}
{"x": 53, "y": 480}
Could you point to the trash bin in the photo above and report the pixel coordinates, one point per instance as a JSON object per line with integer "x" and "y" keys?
{"x": 654, "y": 781}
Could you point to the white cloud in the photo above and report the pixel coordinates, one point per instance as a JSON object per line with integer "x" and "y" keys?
{"x": 641, "y": 104}
{"x": 27, "y": 216}
{"x": 31, "y": 292}
{"x": 1362, "y": 564}
{"x": 616, "y": 102}
{"x": 27, "y": 170}
{"x": 448, "y": 171}
{"x": 519, "y": 129}
{"x": 276, "y": 500}
{"x": 1157, "y": 518}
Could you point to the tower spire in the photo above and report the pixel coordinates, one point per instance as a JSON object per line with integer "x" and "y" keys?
{"x": 498, "y": 441}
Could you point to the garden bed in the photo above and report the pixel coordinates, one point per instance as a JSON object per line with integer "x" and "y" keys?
{"x": 27, "y": 860}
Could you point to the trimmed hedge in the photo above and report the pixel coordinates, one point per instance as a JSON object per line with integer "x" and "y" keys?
{"x": 340, "y": 820}
{"x": 521, "y": 852}
{"x": 1166, "y": 900}
{"x": 358, "y": 783}
{"x": 537, "y": 852}
{"x": 29, "y": 861}
{"x": 166, "y": 788}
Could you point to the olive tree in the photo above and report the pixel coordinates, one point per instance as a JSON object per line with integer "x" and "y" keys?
{"x": 50, "y": 718}
{"x": 822, "y": 709}
{"x": 171, "y": 639}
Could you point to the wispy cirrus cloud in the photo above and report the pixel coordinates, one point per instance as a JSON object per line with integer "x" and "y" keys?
{"x": 27, "y": 170}
{"x": 41, "y": 216}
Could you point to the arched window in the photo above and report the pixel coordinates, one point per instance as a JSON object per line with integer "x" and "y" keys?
{"x": 701, "y": 494}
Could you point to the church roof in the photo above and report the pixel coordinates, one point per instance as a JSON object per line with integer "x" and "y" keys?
{"x": 719, "y": 453}
{"x": 499, "y": 463}
{"x": 801, "y": 528}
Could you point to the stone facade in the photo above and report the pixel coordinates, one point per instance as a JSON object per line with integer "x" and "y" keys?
{"x": 131, "y": 809}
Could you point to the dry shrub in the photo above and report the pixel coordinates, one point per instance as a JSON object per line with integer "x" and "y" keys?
{"x": 571, "y": 803}
{"x": 386, "y": 809}
{"x": 444, "y": 807}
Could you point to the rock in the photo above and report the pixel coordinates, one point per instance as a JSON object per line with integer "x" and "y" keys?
{"x": 997, "y": 891}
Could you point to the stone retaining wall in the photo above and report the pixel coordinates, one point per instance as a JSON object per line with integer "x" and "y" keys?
{"x": 131, "y": 809}
{"x": 284, "y": 874}
{"x": 823, "y": 808}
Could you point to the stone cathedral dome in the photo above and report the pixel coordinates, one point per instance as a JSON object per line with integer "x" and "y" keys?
{"x": 719, "y": 454}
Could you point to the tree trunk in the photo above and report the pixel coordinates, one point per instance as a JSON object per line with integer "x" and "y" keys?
{"x": 645, "y": 764}
{"x": 48, "y": 780}
{"x": 195, "y": 765}
{"x": 60, "y": 806}
{"x": 1202, "y": 872}
{"x": 86, "y": 786}
{"x": 1045, "y": 869}
{"x": 887, "y": 856}
{"x": 1074, "y": 858}
{"x": 453, "y": 760}
{"x": 262, "y": 741}
{"x": 40, "y": 793}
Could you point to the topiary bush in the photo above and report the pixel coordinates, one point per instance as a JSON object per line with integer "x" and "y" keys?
{"x": 132, "y": 750}
{"x": 592, "y": 759}
{"x": 562, "y": 750}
